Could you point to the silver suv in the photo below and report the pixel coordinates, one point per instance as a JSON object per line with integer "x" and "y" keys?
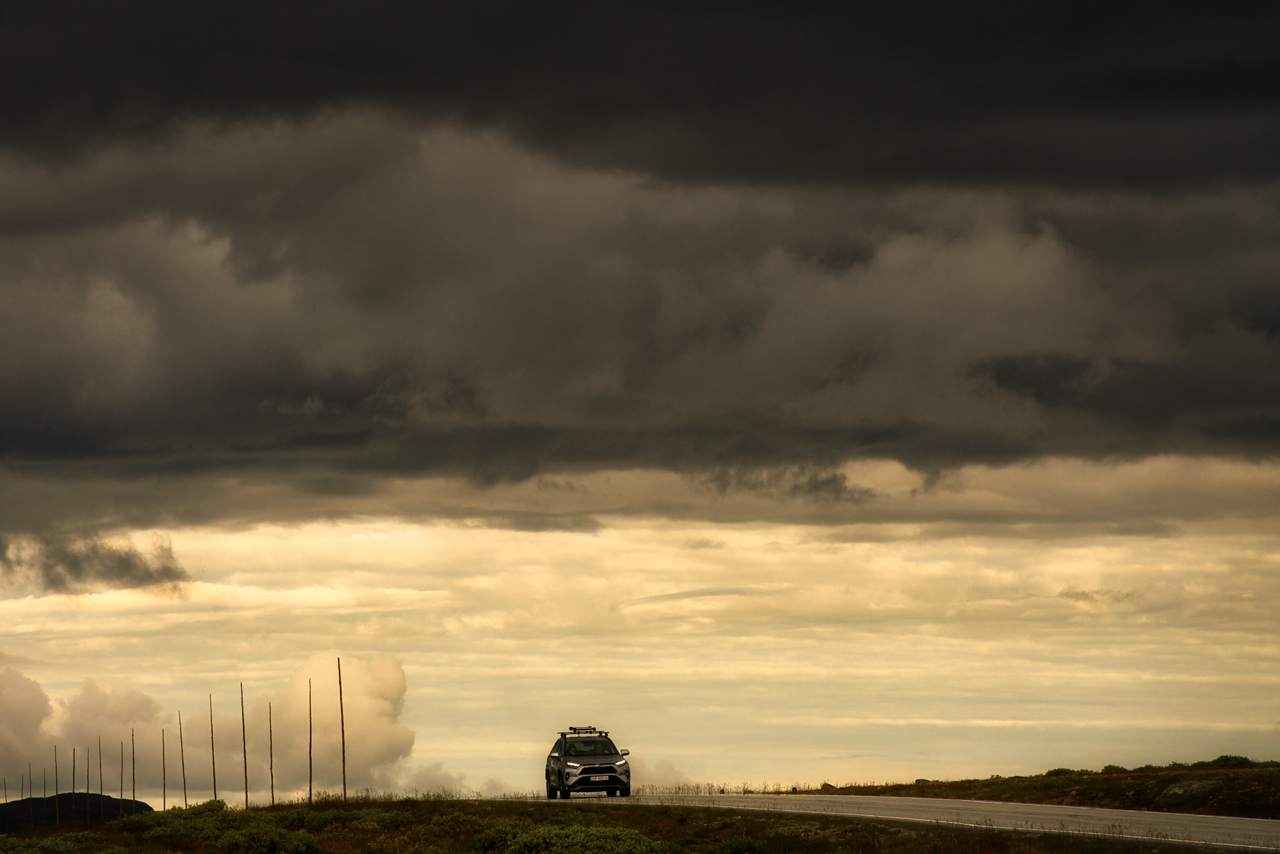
{"x": 586, "y": 760}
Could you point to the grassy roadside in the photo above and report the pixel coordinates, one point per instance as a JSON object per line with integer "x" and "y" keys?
{"x": 1248, "y": 789}
{"x": 440, "y": 826}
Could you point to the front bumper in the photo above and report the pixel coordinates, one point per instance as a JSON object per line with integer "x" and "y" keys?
{"x": 597, "y": 780}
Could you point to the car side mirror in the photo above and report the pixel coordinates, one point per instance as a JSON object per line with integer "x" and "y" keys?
{"x": 624, "y": 753}
{"x": 555, "y": 755}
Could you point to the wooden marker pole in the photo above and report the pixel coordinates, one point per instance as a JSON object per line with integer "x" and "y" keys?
{"x": 133, "y": 764}
{"x": 57, "y": 808}
{"x": 121, "y": 801}
{"x": 310, "y": 739}
{"x": 342, "y": 728}
{"x": 244, "y": 746}
{"x": 271, "y": 755}
{"x": 164, "y": 775}
{"x": 102, "y": 806}
{"x": 182, "y": 753}
{"x": 73, "y": 785}
{"x": 213, "y": 752}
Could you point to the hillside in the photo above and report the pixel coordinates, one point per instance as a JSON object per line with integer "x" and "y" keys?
{"x": 442, "y": 826}
{"x": 1228, "y": 785}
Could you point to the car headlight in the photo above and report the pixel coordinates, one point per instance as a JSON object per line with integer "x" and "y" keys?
{"x": 621, "y": 762}
{"x": 574, "y": 764}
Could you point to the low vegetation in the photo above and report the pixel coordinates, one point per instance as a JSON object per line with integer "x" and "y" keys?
{"x": 440, "y": 826}
{"x": 1249, "y": 789}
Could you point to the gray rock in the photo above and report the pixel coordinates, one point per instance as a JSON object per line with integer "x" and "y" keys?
{"x": 1188, "y": 792}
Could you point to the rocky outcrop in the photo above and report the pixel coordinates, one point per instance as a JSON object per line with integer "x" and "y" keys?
{"x": 1188, "y": 793}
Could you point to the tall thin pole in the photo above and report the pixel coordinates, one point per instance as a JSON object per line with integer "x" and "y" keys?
{"x": 271, "y": 755}
{"x": 310, "y": 767}
{"x": 213, "y": 752}
{"x": 44, "y": 792}
{"x": 164, "y": 775}
{"x": 133, "y": 757}
{"x": 342, "y": 727}
{"x": 121, "y": 801}
{"x": 73, "y": 785}
{"x": 102, "y": 806}
{"x": 32, "y": 802}
{"x": 182, "y": 752}
{"x": 244, "y": 746}
{"x": 57, "y": 811}
{"x": 87, "y": 782}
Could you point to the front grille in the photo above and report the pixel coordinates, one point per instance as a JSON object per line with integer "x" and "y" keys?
{"x": 598, "y": 769}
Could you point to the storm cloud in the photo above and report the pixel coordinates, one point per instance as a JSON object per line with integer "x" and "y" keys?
{"x": 747, "y": 246}
{"x": 62, "y": 564}
{"x": 1081, "y": 93}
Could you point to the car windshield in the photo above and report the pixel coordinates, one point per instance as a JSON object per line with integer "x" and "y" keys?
{"x": 590, "y": 747}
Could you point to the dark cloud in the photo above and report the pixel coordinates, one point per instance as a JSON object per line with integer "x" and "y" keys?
{"x": 538, "y": 522}
{"x": 349, "y": 301}
{"x": 1063, "y": 93}
{"x": 743, "y": 244}
{"x": 62, "y": 564}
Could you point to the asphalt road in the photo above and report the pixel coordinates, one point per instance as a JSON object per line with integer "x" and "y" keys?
{"x": 1223, "y": 831}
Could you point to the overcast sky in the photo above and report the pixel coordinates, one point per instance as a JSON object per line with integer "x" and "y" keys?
{"x": 802, "y": 393}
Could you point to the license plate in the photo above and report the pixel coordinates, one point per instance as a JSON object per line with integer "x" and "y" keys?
{"x": 599, "y": 779}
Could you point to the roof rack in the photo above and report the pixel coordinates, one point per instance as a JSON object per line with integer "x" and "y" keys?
{"x": 583, "y": 730}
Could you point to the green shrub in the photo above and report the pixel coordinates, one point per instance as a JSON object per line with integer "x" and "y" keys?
{"x": 453, "y": 825}
{"x": 264, "y": 838}
{"x": 741, "y": 845}
{"x": 318, "y": 822}
{"x": 579, "y": 818}
{"x": 67, "y": 843}
{"x": 499, "y": 835}
{"x": 583, "y": 840}
{"x": 376, "y": 820}
{"x": 1230, "y": 761}
{"x": 1059, "y": 772}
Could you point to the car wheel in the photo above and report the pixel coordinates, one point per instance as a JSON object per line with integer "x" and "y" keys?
{"x": 625, "y": 791}
{"x": 552, "y": 792}
{"x": 613, "y": 793}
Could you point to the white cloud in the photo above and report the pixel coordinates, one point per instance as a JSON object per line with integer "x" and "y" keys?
{"x": 128, "y": 724}
{"x": 373, "y": 693}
